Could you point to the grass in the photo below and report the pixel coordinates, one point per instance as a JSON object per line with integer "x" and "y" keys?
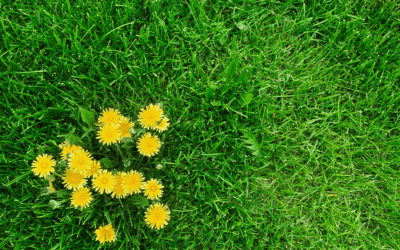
{"x": 285, "y": 119}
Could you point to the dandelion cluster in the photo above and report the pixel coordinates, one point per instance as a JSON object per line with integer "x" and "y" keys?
{"x": 113, "y": 127}
{"x": 84, "y": 175}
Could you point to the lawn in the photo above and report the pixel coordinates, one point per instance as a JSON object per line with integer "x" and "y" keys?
{"x": 284, "y": 120}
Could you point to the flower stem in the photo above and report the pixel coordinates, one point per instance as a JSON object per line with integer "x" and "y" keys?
{"x": 140, "y": 160}
{"x": 120, "y": 152}
{"x": 57, "y": 174}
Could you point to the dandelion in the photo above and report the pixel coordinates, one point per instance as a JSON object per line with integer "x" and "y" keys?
{"x": 51, "y": 188}
{"x": 81, "y": 197}
{"x": 67, "y": 149}
{"x": 105, "y": 233}
{"x": 118, "y": 189}
{"x": 109, "y": 134}
{"x": 104, "y": 181}
{"x": 124, "y": 126}
{"x": 80, "y": 161}
{"x": 159, "y": 166}
{"x": 148, "y": 145}
{"x": 163, "y": 125}
{"x": 73, "y": 180}
{"x": 110, "y": 116}
{"x": 94, "y": 168}
{"x": 132, "y": 182}
{"x": 152, "y": 189}
{"x": 43, "y": 165}
{"x": 149, "y": 117}
{"x": 157, "y": 216}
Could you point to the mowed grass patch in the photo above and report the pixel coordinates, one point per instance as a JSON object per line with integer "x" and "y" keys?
{"x": 284, "y": 120}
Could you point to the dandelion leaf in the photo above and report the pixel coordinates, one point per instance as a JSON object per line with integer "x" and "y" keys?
{"x": 87, "y": 116}
{"x": 252, "y": 144}
{"x": 107, "y": 162}
{"x": 247, "y": 99}
{"x": 140, "y": 201}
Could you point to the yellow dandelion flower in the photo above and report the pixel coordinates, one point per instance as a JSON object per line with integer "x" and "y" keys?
{"x": 43, "y": 165}
{"x": 94, "y": 168}
{"x": 124, "y": 125}
{"x": 152, "y": 189}
{"x": 105, "y": 233}
{"x": 103, "y": 181}
{"x": 68, "y": 149}
{"x": 118, "y": 190}
{"x": 73, "y": 180}
{"x": 109, "y": 134}
{"x": 81, "y": 197}
{"x": 148, "y": 145}
{"x": 150, "y": 116}
{"x": 80, "y": 161}
{"x": 132, "y": 182}
{"x": 157, "y": 216}
{"x": 51, "y": 188}
{"x": 110, "y": 116}
{"x": 163, "y": 125}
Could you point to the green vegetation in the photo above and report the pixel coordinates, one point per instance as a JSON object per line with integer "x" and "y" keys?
{"x": 284, "y": 119}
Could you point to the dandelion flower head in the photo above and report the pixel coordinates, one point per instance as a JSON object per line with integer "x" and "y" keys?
{"x": 132, "y": 182}
{"x": 80, "y": 161}
{"x": 150, "y": 116}
{"x": 148, "y": 145}
{"x": 118, "y": 190}
{"x": 109, "y": 134}
{"x": 163, "y": 125}
{"x": 67, "y": 149}
{"x": 157, "y": 216}
{"x": 81, "y": 197}
{"x": 43, "y": 165}
{"x": 124, "y": 126}
{"x": 73, "y": 180}
{"x": 94, "y": 168}
{"x": 104, "y": 181}
{"x": 109, "y": 116}
{"x": 152, "y": 189}
{"x": 105, "y": 233}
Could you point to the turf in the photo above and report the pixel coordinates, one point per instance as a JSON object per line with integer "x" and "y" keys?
{"x": 284, "y": 120}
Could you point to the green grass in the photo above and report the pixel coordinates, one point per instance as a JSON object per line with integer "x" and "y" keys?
{"x": 285, "y": 119}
